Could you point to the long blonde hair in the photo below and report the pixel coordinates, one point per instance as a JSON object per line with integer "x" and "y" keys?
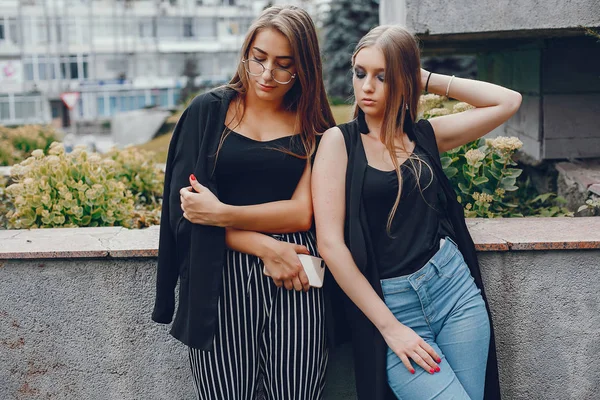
{"x": 307, "y": 97}
{"x": 402, "y": 91}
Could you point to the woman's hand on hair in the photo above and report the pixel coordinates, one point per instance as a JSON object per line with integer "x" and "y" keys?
{"x": 283, "y": 265}
{"x": 201, "y": 206}
{"x": 408, "y": 345}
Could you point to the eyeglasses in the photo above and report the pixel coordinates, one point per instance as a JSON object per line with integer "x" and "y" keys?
{"x": 279, "y": 75}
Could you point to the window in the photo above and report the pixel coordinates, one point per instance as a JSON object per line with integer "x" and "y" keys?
{"x": 100, "y": 104}
{"x": 74, "y": 70}
{"x": 26, "y": 107}
{"x": 55, "y": 110}
{"x": 58, "y": 27}
{"x": 42, "y": 31}
{"x": 146, "y": 27}
{"x": 2, "y": 37}
{"x": 206, "y": 27}
{"x": 169, "y": 27}
{"x": 188, "y": 27}
{"x": 28, "y": 68}
{"x": 4, "y": 109}
{"x": 13, "y": 31}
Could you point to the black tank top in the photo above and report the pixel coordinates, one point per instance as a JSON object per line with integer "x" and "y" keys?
{"x": 250, "y": 172}
{"x": 418, "y": 223}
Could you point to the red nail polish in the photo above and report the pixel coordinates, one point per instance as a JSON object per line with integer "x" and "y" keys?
{"x": 439, "y": 360}
{"x": 431, "y": 371}
{"x": 412, "y": 371}
{"x": 437, "y": 369}
{"x": 192, "y": 177}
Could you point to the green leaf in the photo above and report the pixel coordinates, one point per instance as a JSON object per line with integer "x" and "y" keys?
{"x": 446, "y": 161}
{"x": 510, "y": 188}
{"x": 451, "y": 171}
{"x": 494, "y": 172}
{"x": 513, "y": 172}
{"x": 507, "y": 181}
{"x": 467, "y": 172}
{"x": 583, "y": 207}
{"x": 542, "y": 197}
{"x": 463, "y": 188}
{"x": 481, "y": 180}
{"x": 85, "y": 220}
{"x": 561, "y": 200}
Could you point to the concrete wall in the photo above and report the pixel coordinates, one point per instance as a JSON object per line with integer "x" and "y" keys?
{"x": 464, "y": 16}
{"x": 81, "y": 329}
{"x": 559, "y": 81}
{"x": 76, "y": 325}
{"x": 536, "y": 47}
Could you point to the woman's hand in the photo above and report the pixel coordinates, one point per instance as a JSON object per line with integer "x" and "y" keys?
{"x": 407, "y": 344}
{"x": 283, "y": 266}
{"x": 201, "y": 206}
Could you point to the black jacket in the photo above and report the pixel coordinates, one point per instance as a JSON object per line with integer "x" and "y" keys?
{"x": 369, "y": 346}
{"x": 191, "y": 253}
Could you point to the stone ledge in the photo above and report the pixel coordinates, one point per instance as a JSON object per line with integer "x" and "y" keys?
{"x": 509, "y": 234}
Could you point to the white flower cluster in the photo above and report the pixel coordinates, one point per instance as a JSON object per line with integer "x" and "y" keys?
{"x": 503, "y": 143}
{"x": 461, "y": 106}
{"x": 473, "y": 156}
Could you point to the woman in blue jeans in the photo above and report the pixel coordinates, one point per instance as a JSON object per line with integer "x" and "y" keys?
{"x": 393, "y": 234}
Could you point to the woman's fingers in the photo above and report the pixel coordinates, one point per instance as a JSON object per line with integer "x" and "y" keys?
{"x": 420, "y": 362}
{"x": 304, "y": 280}
{"x": 298, "y": 286}
{"x": 278, "y": 282}
{"x": 406, "y": 363}
{"x": 431, "y": 352}
{"x": 288, "y": 284}
{"x": 427, "y": 358}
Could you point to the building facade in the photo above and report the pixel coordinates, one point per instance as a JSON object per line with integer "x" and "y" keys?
{"x": 116, "y": 55}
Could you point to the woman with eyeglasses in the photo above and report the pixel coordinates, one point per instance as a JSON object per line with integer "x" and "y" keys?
{"x": 237, "y": 212}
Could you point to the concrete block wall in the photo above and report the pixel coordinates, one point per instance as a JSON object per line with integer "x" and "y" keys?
{"x": 438, "y": 17}
{"x": 76, "y": 303}
{"x": 559, "y": 80}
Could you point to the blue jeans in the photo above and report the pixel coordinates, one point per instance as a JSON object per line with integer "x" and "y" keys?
{"x": 442, "y": 304}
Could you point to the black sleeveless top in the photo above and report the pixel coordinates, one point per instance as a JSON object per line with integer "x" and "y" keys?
{"x": 250, "y": 172}
{"x": 418, "y": 224}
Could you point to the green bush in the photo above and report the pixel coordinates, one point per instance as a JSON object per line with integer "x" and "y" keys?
{"x": 16, "y": 144}
{"x": 137, "y": 170}
{"x": 486, "y": 181}
{"x": 82, "y": 189}
{"x": 485, "y": 177}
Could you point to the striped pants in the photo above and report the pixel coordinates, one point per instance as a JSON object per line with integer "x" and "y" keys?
{"x": 269, "y": 340}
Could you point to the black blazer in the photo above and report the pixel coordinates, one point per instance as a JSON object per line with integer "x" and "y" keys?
{"x": 369, "y": 346}
{"x": 191, "y": 253}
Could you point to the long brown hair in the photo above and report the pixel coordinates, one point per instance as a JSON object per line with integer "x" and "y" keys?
{"x": 402, "y": 91}
{"x": 307, "y": 97}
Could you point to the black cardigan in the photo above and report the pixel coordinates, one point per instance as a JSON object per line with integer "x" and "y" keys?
{"x": 369, "y": 346}
{"x": 191, "y": 253}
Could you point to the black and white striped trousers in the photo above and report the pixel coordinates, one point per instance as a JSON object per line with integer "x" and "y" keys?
{"x": 263, "y": 331}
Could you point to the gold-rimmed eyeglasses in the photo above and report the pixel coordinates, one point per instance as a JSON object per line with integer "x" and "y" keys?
{"x": 279, "y": 75}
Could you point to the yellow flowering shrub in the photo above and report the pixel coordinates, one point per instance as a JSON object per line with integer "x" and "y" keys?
{"x": 484, "y": 176}
{"x": 16, "y": 144}
{"x": 138, "y": 171}
{"x": 61, "y": 189}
